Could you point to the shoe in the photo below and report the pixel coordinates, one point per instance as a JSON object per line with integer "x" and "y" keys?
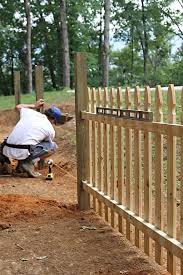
{"x": 29, "y": 168}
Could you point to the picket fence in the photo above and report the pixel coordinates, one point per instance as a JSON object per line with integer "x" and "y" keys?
{"x": 130, "y": 170}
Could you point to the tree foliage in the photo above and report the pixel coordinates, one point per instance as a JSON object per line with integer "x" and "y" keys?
{"x": 146, "y": 30}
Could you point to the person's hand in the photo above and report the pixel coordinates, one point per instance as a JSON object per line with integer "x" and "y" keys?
{"x": 39, "y": 104}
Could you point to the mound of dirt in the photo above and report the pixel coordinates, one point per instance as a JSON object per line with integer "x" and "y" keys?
{"x": 16, "y": 208}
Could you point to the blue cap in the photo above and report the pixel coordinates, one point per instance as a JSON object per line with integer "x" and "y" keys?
{"x": 55, "y": 113}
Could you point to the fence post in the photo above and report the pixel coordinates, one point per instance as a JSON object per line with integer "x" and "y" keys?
{"x": 39, "y": 81}
{"x": 39, "y": 95}
{"x": 82, "y": 138}
{"x": 17, "y": 87}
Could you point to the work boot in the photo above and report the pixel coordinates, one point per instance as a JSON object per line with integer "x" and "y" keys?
{"x": 27, "y": 166}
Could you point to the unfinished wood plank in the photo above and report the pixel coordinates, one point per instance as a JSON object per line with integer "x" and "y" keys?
{"x": 128, "y": 139}
{"x": 100, "y": 149}
{"x": 120, "y": 162}
{"x": 89, "y": 135}
{"x": 82, "y": 137}
{"x": 39, "y": 82}
{"x": 17, "y": 87}
{"x": 154, "y": 127}
{"x": 112, "y": 156}
{"x": 158, "y": 173}
{"x": 94, "y": 143}
{"x": 106, "y": 153}
{"x": 147, "y": 175}
{"x": 39, "y": 95}
{"x": 137, "y": 207}
{"x": 171, "y": 180}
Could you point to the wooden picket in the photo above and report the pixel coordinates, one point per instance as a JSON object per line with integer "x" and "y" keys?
{"x": 106, "y": 152}
{"x": 147, "y": 175}
{"x": 112, "y": 157}
{"x": 137, "y": 168}
{"x": 128, "y": 143}
{"x": 94, "y": 144}
{"x": 158, "y": 172}
{"x": 133, "y": 163}
{"x": 171, "y": 180}
{"x": 120, "y": 163}
{"x": 89, "y": 136}
{"x": 100, "y": 150}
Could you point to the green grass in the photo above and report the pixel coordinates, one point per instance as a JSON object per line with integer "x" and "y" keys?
{"x": 51, "y": 97}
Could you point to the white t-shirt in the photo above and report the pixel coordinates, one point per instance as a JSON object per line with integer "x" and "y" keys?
{"x": 32, "y": 128}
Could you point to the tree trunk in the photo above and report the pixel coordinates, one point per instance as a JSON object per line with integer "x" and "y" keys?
{"x": 105, "y": 54}
{"x": 100, "y": 46}
{"x": 3, "y": 81}
{"x": 48, "y": 56}
{"x": 145, "y": 42}
{"x": 65, "y": 45}
{"x": 132, "y": 52}
{"x": 12, "y": 70}
{"x": 28, "y": 52}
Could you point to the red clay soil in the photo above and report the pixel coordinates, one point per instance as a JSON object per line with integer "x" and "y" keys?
{"x": 43, "y": 232}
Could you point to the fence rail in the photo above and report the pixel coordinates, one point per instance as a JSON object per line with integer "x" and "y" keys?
{"x": 135, "y": 176}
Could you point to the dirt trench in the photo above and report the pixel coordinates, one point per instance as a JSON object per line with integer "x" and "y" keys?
{"x": 43, "y": 232}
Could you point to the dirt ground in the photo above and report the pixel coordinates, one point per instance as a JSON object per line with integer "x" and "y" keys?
{"x": 42, "y": 232}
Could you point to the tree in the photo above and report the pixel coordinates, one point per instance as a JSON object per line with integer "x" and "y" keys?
{"x": 105, "y": 48}
{"x": 28, "y": 45}
{"x": 65, "y": 44}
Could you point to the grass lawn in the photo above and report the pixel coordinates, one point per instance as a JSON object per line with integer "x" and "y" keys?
{"x": 67, "y": 96}
{"x": 55, "y": 97}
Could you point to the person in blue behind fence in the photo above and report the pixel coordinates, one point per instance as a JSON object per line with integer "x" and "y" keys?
{"x": 32, "y": 137}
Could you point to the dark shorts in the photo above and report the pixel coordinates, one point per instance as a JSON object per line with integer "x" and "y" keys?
{"x": 42, "y": 149}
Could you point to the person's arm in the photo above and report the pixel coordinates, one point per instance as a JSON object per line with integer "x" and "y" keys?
{"x": 36, "y": 106}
